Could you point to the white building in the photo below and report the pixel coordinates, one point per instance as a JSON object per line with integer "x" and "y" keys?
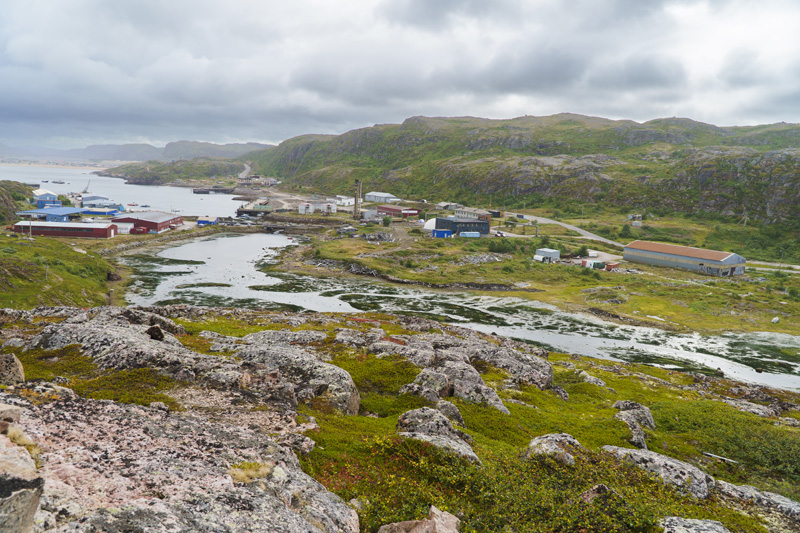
{"x": 305, "y": 209}
{"x": 547, "y": 255}
{"x": 471, "y": 212}
{"x": 345, "y": 201}
{"x": 326, "y": 208}
{"x": 381, "y": 197}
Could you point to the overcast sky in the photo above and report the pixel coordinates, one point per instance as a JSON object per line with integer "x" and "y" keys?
{"x": 79, "y": 72}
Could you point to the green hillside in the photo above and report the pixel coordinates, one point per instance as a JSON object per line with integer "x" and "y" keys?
{"x": 677, "y": 164}
{"x": 161, "y": 173}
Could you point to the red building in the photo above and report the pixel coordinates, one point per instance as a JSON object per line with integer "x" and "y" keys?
{"x": 94, "y": 230}
{"x": 398, "y": 211}
{"x": 152, "y": 221}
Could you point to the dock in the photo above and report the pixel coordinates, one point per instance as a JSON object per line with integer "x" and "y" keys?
{"x": 214, "y": 190}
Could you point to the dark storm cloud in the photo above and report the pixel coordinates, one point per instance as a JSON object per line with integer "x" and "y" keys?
{"x": 99, "y": 71}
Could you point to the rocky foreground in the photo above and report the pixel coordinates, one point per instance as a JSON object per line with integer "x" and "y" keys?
{"x": 225, "y": 458}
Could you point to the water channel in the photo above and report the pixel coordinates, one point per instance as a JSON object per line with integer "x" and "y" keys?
{"x": 223, "y": 271}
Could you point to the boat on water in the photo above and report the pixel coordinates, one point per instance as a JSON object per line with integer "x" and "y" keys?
{"x": 145, "y": 205}
{"x": 133, "y": 204}
{"x": 59, "y": 182}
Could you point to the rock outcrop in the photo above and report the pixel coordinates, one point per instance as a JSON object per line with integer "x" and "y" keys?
{"x": 20, "y": 487}
{"x": 131, "y": 338}
{"x": 767, "y": 501}
{"x": 558, "y": 445}
{"x": 635, "y": 416}
{"x": 429, "y": 425}
{"x": 116, "y": 467}
{"x": 11, "y": 371}
{"x": 449, "y": 365}
{"x": 672, "y": 471}
{"x": 437, "y": 522}
{"x": 674, "y": 524}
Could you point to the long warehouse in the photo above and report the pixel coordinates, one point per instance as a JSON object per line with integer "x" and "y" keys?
{"x": 712, "y": 262}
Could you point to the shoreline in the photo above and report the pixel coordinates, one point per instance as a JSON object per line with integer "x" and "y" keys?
{"x": 52, "y": 165}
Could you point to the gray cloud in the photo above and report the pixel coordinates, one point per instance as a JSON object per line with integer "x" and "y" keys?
{"x": 73, "y": 73}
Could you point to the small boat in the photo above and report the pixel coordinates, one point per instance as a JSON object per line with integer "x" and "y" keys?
{"x": 133, "y": 203}
{"x": 145, "y": 205}
{"x": 59, "y": 182}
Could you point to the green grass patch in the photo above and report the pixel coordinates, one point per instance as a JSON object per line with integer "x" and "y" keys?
{"x": 138, "y": 386}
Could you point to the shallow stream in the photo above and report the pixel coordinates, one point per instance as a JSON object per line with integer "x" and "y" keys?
{"x": 223, "y": 271}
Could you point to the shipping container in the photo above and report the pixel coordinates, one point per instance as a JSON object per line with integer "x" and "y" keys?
{"x": 470, "y": 234}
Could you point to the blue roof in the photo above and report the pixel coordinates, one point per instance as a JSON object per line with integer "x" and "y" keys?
{"x": 53, "y": 211}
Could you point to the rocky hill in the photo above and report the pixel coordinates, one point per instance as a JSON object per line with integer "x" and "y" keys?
{"x": 195, "y": 419}
{"x": 675, "y": 164}
{"x": 10, "y": 193}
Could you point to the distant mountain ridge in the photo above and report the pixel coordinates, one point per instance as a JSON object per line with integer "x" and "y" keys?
{"x": 135, "y": 152}
{"x": 674, "y": 163}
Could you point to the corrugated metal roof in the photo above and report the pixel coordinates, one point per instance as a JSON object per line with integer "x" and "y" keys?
{"x": 674, "y": 249}
{"x": 53, "y": 211}
{"x": 150, "y": 216}
{"x": 39, "y": 192}
{"x": 65, "y": 225}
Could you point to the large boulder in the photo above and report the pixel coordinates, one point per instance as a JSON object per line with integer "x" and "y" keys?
{"x": 638, "y": 412}
{"x": 429, "y": 425}
{"x": 766, "y": 500}
{"x": 558, "y": 445}
{"x": 635, "y": 416}
{"x": 449, "y": 410}
{"x": 20, "y": 487}
{"x": 11, "y": 371}
{"x": 313, "y": 380}
{"x": 672, "y": 471}
{"x": 437, "y": 522}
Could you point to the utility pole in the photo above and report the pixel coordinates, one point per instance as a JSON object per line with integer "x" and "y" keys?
{"x": 357, "y": 205}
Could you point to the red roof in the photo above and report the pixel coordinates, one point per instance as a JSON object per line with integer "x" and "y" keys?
{"x": 674, "y": 249}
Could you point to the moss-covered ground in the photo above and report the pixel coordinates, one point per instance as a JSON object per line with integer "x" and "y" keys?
{"x": 361, "y": 457}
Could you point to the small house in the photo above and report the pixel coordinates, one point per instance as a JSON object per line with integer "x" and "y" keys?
{"x": 43, "y": 198}
{"x": 305, "y": 209}
{"x": 547, "y": 255}
{"x": 207, "y": 221}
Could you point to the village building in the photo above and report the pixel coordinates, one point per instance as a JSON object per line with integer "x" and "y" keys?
{"x": 207, "y": 221}
{"x": 92, "y": 230}
{"x": 151, "y": 221}
{"x": 462, "y": 225}
{"x": 52, "y": 214}
{"x": 712, "y": 262}
{"x": 473, "y": 213}
{"x": 398, "y": 211}
{"x": 43, "y": 198}
{"x": 547, "y": 255}
{"x": 381, "y": 197}
{"x": 345, "y": 201}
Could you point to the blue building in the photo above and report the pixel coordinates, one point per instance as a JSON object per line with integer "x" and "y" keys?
{"x": 53, "y": 214}
{"x": 712, "y": 262}
{"x": 43, "y": 198}
{"x": 207, "y": 221}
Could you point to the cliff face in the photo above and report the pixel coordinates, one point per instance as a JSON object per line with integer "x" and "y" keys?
{"x": 685, "y": 165}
